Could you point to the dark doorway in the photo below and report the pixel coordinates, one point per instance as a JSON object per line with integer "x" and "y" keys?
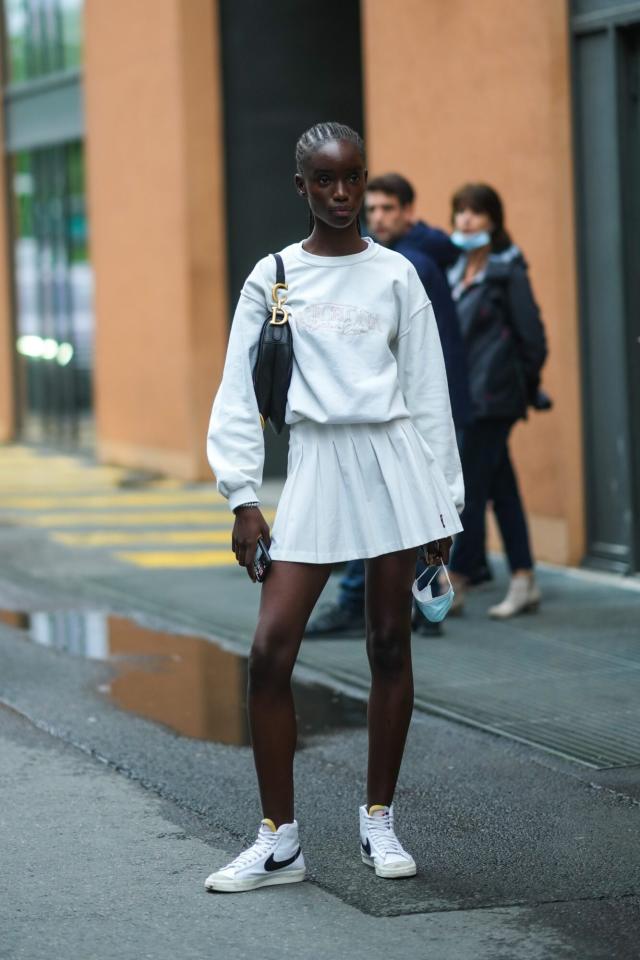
{"x": 286, "y": 66}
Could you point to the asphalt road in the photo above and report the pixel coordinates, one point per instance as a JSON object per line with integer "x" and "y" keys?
{"x": 125, "y": 775}
{"x": 519, "y": 855}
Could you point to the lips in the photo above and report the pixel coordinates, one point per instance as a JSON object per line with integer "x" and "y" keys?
{"x": 342, "y": 211}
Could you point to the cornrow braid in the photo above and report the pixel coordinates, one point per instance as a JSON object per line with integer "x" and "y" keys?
{"x": 321, "y": 133}
{"x": 315, "y": 137}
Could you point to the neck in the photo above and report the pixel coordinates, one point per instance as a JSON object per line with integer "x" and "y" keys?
{"x": 326, "y": 241}
{"x": 476, "y": 259}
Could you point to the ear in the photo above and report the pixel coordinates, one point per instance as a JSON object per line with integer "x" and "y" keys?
{"x": 300, "y": 187}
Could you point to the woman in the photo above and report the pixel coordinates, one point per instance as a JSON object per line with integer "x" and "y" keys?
{"x": 373, "y": 473}
{"x": 506, "y": 349}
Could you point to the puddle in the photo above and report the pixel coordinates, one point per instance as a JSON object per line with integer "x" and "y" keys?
{"x": 186, "y": 683}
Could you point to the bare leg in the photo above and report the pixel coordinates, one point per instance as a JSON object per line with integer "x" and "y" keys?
{"x": 388, "y": 605}
{"x": 288, "y": 596}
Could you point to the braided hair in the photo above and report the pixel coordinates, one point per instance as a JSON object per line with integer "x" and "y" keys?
{"x": 315, "y": 137}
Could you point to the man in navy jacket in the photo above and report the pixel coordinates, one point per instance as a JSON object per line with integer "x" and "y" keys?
{"x": 389, "y": 207}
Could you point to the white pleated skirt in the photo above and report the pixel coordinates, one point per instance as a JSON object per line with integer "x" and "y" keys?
{"x": 359, "y": 490}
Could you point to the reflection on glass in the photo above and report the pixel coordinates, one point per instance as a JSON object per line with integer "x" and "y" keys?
{"x": 42, "y": 37}
{"x": 54, "y": 295}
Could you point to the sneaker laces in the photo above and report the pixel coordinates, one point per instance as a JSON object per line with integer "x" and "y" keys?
{"x": 263, "y": 845}
{"x": 383, "y": 835}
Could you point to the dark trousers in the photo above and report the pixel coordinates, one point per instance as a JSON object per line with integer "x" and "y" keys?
{"x": 489, "y": 475}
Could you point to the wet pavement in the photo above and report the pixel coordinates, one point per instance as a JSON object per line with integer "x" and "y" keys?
{"x": 518, "y": 795}
{"x": 186, "y": 683}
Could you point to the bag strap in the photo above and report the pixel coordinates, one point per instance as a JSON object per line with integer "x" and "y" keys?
{"x": 280, "y": 278}
{"x": 279, "y": 313}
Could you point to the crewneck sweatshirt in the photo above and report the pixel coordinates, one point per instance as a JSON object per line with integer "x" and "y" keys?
{"x": 366, "y": 350}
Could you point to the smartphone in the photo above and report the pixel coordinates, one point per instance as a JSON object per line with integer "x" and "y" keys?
{"x": 261, "y": 561}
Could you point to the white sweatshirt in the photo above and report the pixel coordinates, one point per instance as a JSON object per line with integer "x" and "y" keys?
{"x": 366, "y": 350}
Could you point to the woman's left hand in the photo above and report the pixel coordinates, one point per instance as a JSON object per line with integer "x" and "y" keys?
{"x": 438, "y": 551}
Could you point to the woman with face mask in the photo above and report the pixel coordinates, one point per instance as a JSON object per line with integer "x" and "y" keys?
{"x": 506, "y": 349}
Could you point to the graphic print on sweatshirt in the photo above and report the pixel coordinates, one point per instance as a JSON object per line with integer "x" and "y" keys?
{"x": 341, "y": 318}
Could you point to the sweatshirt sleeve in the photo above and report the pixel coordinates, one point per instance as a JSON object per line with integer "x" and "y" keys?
{"x": 423, "y": 381}
{"x": 235, "y": 441}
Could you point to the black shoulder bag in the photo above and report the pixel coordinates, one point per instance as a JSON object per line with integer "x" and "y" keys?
{"x": 272, "y": 370}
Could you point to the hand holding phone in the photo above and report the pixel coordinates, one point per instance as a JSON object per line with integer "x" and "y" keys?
{"x": 249, "y": 529}
{"x": 261, "y": 561}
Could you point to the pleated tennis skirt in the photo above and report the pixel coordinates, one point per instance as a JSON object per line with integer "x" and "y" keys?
{"x": 359, "y": 490}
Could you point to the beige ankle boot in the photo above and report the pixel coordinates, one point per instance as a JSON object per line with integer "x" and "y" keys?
{"x": 523, "y": 596}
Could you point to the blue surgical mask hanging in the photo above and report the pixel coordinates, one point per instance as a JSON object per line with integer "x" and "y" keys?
{"x": 433, "y": 608}
{"x": 470, "y": 241}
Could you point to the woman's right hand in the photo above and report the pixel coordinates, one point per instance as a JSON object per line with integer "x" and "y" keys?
{"x": 248, "y": 527}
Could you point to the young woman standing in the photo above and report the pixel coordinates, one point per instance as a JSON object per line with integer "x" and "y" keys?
{"x": 506, "y": 349}
{"x": 373, "y": 473}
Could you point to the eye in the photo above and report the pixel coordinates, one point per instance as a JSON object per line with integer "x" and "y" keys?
{"x": 355, "y": 177}
{"x": 323, "y": 179}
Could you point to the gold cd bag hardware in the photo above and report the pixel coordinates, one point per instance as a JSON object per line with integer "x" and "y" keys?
{"x": 274, "y": 363}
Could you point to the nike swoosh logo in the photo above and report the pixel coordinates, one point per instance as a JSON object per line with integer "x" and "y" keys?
{"x": 366, "y": 847}
{"x": 272, "y": 864}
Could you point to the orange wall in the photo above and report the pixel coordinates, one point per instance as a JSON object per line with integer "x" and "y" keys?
{"x": 462, "y": 90}
{"x": 154, "y": 171}
{"x": 7, "y": 412}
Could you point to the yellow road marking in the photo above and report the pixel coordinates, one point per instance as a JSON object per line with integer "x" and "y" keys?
{"x": 23, "y": 487}
{"x": 27, "y": 478}
{"x": 140, "y": 518}
{"x": 116, "y": 538}
{"x": 189, "y": 558}
{"x": 148, "y": 498}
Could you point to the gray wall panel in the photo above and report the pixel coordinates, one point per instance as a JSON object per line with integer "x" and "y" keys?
{"x": 602, "y": 302}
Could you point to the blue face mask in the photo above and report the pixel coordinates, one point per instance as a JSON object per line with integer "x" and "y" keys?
{"x": 433, "y": 608}
{"x": 470, "y": 241}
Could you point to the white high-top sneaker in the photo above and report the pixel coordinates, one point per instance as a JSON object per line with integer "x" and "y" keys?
{"x": 379, "y": 846}
{"x": 523, "y": 596}
{"x": 275, "y": 857}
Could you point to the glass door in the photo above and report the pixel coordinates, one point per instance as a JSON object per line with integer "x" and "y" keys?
{"x": 53, "y": 296}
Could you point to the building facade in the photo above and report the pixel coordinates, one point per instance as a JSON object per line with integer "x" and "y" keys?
{"x": 148, "y": 163}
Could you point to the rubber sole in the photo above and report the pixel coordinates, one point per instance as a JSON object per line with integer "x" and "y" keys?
{"x": 390, "y": 873}
{"x": 228, "y": 885}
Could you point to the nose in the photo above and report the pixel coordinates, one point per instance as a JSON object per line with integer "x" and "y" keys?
{"x": 340, "y": 191}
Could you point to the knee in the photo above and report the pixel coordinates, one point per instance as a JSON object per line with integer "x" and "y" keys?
{"x": 388, "y": 650}
{"x": 270, "y": 665}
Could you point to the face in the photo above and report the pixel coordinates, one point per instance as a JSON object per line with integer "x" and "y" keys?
{"x": 387, "y": 218}
{"x": 334, "y": 182}
{"x": 468, "y": 221}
